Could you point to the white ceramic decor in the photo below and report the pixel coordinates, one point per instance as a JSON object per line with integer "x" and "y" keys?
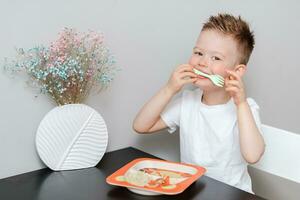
{"x": 72, "y": 136}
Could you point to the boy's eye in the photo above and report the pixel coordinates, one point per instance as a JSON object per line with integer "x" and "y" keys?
{"x": 198, "y": 53}
{"x": 216, "y": 58}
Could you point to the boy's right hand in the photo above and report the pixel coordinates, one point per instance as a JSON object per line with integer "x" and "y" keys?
{"x": 181, "y": 76}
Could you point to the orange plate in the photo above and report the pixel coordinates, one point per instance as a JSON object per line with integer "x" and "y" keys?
{"x": 140, "y": 163}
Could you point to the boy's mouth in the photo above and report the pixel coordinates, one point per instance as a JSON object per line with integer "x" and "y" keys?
{"x": 201, "y": 77}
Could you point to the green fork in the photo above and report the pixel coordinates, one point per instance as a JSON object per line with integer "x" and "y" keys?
{"x": 216, "y": 79}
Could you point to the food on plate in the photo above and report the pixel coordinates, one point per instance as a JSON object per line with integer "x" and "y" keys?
{"x": 153, "y": 177}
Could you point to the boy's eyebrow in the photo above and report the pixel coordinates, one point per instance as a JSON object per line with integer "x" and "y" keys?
{"x": 196, "y": 48}
{"x": 216, "y": 52}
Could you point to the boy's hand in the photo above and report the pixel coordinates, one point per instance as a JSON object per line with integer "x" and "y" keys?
{"x": 182, "y": 75}
{"x": 235, "y": 87}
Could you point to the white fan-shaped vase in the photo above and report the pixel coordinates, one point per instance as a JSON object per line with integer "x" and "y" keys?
{"x": 72, "y": 136}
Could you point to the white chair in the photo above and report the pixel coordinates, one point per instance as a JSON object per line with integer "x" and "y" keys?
{"x": 282, "y": 153}
{"x": 277, "y": 175}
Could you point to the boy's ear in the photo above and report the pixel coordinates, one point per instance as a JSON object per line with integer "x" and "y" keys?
{"x": 240, "y": 69}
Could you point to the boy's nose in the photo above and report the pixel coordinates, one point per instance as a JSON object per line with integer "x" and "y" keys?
{"x": 203, "y": 62}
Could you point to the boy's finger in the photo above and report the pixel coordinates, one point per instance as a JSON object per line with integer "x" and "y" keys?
{"x": 232, "y": 89}
{"x": 185, "y": 68}
{"x": 188, "y": 74}
{"x": 234, "y": 74}
{"x": 233, "y": 82}
{"x": 183, "y": 65}
{"x": 191, "y": 80}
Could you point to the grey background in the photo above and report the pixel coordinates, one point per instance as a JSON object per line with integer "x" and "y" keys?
{"x": 149, "y": 39}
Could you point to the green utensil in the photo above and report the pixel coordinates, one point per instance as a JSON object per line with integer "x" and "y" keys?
{"x": 215, "y": 78}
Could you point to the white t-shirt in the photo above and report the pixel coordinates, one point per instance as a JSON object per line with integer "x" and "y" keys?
{"x": 209, "y": 136}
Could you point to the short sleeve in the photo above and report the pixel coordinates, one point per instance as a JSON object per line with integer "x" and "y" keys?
{"x": 255, "y": 112}
{"x": 171, "y": 115}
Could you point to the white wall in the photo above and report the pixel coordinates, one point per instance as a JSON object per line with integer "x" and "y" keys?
{"x": 149, "y": 38}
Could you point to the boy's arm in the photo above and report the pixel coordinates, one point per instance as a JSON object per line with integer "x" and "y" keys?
{"x": 148, "y": 120}
{"x": 251, "y": 141}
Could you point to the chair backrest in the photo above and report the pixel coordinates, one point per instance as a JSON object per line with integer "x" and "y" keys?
{"x": 282, "y": 153}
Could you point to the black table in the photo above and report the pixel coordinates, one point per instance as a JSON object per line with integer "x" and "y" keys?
{"x": 89, "y": 184}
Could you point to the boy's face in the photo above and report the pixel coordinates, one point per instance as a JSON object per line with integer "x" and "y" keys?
{"x": 213, "y": 54}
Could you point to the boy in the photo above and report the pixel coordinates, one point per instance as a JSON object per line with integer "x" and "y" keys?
{"x": 219, "y": 126}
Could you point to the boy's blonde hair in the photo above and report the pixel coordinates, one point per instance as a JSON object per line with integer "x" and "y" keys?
{"x": 236, "y": 28}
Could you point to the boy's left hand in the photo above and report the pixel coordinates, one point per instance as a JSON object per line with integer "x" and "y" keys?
{"x": 235, "y": 87}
